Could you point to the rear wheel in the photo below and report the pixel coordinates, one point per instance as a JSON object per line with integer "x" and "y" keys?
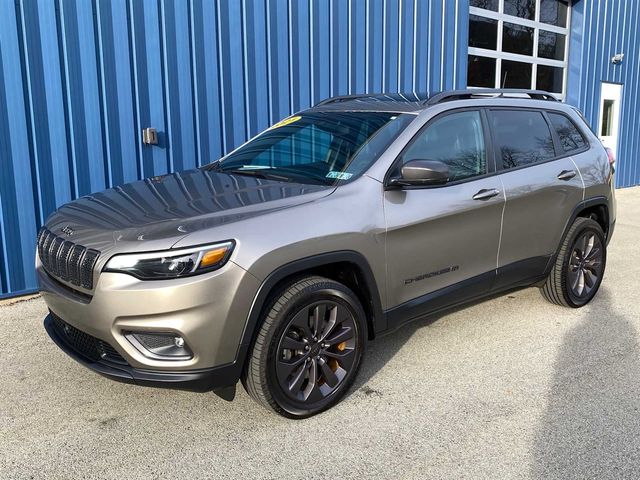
{"x": 309, "y": 348}
{"x": 579, "y": 268}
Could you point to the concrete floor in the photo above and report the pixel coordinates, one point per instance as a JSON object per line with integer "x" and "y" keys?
{"x": 509, "y": 388}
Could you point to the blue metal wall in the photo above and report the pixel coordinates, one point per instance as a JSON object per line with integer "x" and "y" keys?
{"x": 599, "y": 30}
{"x": 79, "y": 79}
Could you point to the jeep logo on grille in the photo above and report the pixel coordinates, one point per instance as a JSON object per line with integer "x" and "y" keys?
{"x": 67, "y": 230}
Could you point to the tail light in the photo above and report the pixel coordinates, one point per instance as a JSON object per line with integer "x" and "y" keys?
{"x": 612, "y": 159}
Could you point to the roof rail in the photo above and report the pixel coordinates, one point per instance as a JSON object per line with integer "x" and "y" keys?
{"x": 484, "y": 92}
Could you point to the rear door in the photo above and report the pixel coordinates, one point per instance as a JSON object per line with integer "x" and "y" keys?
{"x": 542, "y": 187}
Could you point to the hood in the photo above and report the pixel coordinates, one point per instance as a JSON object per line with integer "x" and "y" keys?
{"x": 156, "y": 213}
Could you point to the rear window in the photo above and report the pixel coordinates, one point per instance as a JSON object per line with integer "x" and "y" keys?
{"x": 584, "y": 120}
{"x": 570, "y": 137}
{"x": 522, "y": 137}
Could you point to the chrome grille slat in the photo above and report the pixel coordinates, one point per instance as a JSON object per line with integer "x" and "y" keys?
{"x": 66, "y": 260}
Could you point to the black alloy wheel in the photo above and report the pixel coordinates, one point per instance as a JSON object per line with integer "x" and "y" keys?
{"x": 309, "y": 347}
{"x": 585, "y": 265}
{"x": 316, "y": 351}
{"x": 579, "y": 266}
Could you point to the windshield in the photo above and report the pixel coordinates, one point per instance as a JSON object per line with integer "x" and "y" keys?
{"x": 320, "y": 147}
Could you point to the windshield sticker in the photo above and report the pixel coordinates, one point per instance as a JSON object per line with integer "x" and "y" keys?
{"x": 339, "y": 175}
{"x": 287, "y": 121}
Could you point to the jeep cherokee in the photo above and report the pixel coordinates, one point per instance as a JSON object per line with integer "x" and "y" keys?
{"x": 276, "y": 264}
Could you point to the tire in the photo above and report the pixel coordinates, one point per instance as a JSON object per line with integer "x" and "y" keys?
{"x": 290, "y": 372}
{"x": 575, "y": 278}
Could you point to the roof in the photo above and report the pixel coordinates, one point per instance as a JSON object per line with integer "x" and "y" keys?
{"x": 416, "y": 102}
{"x": 382, "y": 102}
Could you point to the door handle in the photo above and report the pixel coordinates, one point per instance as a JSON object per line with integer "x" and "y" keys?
{"x": 486, "y": 194}
{"x": 566, "y": 174}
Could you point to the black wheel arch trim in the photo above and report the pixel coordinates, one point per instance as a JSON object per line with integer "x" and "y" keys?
{"x": 300, "y": 266}
{"x": 583, "y": 205}
{"x": 589, "y": 203}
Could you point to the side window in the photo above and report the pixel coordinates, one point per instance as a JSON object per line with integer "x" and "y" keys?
{"x": 522, "y": 137}
{"x": 457, "y": 140}
{"x": 570, "y": 137}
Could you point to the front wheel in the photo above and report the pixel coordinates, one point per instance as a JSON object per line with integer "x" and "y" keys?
{"x": 309, "y": 348}
{"x": 579, "y": 268}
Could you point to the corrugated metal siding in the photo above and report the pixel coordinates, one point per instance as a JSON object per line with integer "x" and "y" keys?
{"x": 599, "y": 30}
{"x": 80, "y": 79}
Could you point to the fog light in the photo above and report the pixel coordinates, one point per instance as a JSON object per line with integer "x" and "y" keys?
{"x": 160, "y": 346}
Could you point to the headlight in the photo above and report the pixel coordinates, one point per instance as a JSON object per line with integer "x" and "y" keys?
{"x": 172, "y": 263}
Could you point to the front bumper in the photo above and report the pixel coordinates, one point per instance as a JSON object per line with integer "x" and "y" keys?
{"x": 208, "y": 311}
{"x": 202, "y": 380}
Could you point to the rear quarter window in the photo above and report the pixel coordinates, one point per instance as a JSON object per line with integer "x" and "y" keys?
{"x": 522, "y": 137}
{"x": 570, "y": 137}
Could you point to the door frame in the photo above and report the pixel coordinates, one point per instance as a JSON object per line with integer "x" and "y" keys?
{"x": 488, "y": 141}
{"x": 616, "y": 114}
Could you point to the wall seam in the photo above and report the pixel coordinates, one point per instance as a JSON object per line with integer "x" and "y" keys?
{"x": 66, "y": 98}
{"x": 28, "y": 102}
{"x": 104, "y": 133}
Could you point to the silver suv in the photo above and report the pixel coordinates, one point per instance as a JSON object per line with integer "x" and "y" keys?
{"x": 277, "y": 263}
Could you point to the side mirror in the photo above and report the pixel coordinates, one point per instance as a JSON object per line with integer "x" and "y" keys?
{"x": 421, "y": 173}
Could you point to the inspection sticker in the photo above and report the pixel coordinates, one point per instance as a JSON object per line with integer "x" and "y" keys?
{"x": 287, "y": 121}
{"x": 339, "y": 175}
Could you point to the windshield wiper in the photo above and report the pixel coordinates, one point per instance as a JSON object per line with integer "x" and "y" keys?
{"x": 321, "y": 179}
{"x": 258, "y": 173}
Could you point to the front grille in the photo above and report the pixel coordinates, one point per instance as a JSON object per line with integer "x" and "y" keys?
{"x": 65, "y": 260}
{"x": 86, "y": 345}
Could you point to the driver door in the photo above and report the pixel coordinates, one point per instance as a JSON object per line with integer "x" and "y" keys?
{"x": 442, "y": 241}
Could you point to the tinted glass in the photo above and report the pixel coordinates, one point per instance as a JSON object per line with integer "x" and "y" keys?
{"x": 456, "y": 140}
{"x": 486, "y": 4}
{"x": 549, "y": 79}
{"x": 554, "y": 12}
{"x": 515, "y": 74}
{"x": 570, "y": 137}
{"x": 481, "y": 71}
{"x": 517, "y": 39}
{"x": 584, "y": 120}
{"x": 521, "y": 8}
{"x": 522, "y": 137}
{"x": 551, "y": 45}
{"x": 319, "y": 147}
{"x": 607, "y": 118}
{"x": 483, "y": 32}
